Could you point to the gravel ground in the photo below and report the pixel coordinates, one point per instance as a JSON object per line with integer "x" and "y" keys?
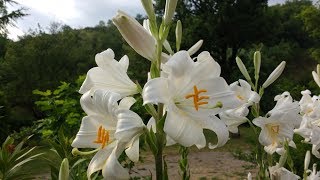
{"x": 209, "y": 165}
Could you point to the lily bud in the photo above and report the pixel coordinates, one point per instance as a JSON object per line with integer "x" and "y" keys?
{"x": 316, "y": 78}
{"x": 195, "y": 47}
{"x": 135, "y": 35}
{"x": 169, "y": 11}
{"x": 167, "y": 46}
{"x": 243, "y": 69}
{"x": 178, "y": 35}
{"x": 307, "y": 160}
{"x": 64, "y": 170}
{"x": 249, "y": 176}
{"x": 148, "y": 7}
{"x": 257, "y": 63}
{"x": 318, "y": 69}
{"x": 274, "y": 75}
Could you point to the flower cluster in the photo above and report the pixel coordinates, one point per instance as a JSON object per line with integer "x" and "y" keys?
{"x": 184, "y": 95}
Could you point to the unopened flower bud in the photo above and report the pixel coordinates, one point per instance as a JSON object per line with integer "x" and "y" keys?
{"x": 318, "y": 69}
{"x": 243, "y": 69}
{"x": 316, "y": 78}
{"x": 135, "y": 35}
{"x": 257, "y": 63}
{"x": 307, "y": 160}
{"x": 64, "y": 170}
{"x": 249, "y": 176}
{"x": 178, "y": 35}
{"x": 148, "y": 7}
{"x": 169, "y": 11}
{"x": 274, "y": 75}
{"x": 167, "y": 46}
{"x": 195, "y": 47}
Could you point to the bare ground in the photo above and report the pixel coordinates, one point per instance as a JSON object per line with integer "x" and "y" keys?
{"x": 205, "y": 164}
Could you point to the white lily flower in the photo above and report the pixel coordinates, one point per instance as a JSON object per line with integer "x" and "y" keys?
{"x": 310, "y": 106}
{"x": 278, "y": 127}
{"x": 282, "y": 173}
{"x": 244, "y": 93}
{"x": 316, "y": 77}
{"x": 110, "y": 75}
{"x": 192, "y": 92}
{"x": 274, "y": 132}
{"x": 108, "y": 133}
{"x": 286, "y": 106}
{"x": 135, "y": 35}
{"x": 246, "y": 97}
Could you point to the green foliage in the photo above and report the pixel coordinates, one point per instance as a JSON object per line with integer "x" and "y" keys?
{"x": 16, "y": 160}
{"x": 61, "y": 149}
{"x": 60, "y": 108}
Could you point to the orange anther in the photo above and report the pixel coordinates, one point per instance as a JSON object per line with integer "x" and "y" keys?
{"x": 102, "y": 137}
{"x": 197, "y": 98}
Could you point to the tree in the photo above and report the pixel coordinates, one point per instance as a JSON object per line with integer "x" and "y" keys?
{"x": 7, "y": 18}
{"x": 226, "y": 26}
{"x": 311, "y": 19}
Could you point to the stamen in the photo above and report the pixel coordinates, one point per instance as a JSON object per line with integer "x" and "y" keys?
{"x": 102, "y": 137}
{"x": 196, "y": 97}
{"x": 240, "y": 97}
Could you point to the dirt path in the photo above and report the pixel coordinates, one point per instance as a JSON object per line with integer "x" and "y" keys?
{"x": 203, "y": 165}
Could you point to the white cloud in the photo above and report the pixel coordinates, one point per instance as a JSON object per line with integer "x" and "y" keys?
{"x": 75, "y": 13}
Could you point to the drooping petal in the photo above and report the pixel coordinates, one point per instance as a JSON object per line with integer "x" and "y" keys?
{"x": 112, "y": 169}
{"x": 126, "y": 103}
{"x": 217, "y": 126}
{"x": 133, "y": 149}
{"x": 129, "y": 125}
{"x": 156, "y": 91}
{"x": 182, "y": 129}
{"x": 99, "y": 159}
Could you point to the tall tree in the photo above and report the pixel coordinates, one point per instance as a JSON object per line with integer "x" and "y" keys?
{"x": 8, "y": 17}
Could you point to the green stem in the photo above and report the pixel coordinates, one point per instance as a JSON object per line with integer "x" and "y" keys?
{"x": 160, "y": 135}
{"x": 183, "y": 163}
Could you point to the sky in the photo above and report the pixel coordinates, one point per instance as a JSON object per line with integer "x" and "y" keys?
{"x": 75, "y": 13}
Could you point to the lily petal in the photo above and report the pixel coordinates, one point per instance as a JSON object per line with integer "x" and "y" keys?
{"x": 183, "y": 130}
{"x": 156, "y": 91}
{"x": 99, "y": 159}
{"x": 133, "y": 150}
{"x": 217, "y": 126}
{"x": 112, "y": 169}
{"x": 129, "y": 125}
{"x": 126, "y": 103}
